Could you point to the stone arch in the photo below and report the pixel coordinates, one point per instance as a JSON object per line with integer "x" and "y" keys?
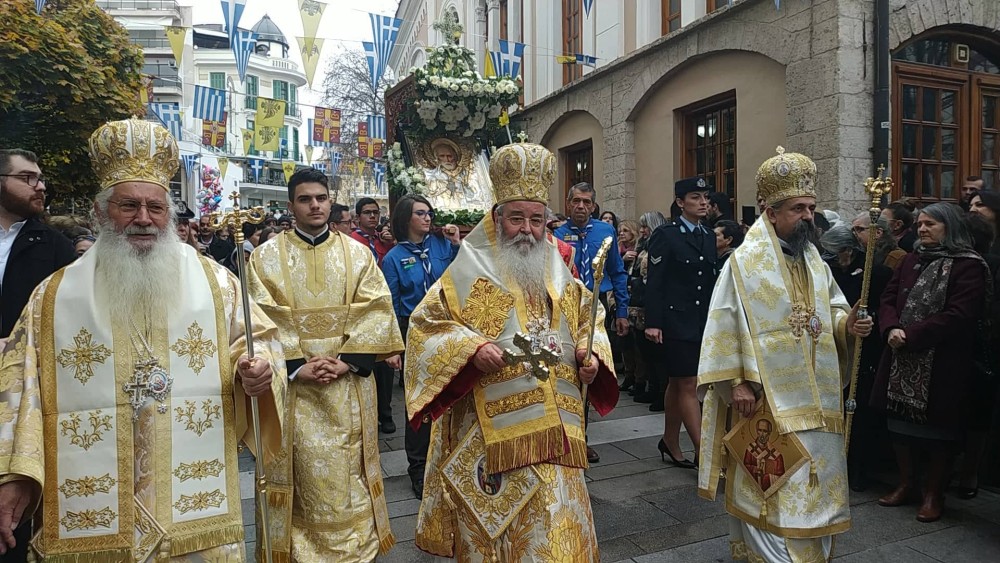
{"x": 569, "y": 131}
{"x": 418, "y": 57}
{"x": 912, "y": 18}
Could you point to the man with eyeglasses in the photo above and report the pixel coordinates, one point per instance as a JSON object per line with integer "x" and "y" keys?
{"x": 128, "y": 371}
{"x": 369, "y": 215}
{"x": 887, "y": 251}
{"x": 340, "y": 218}
{"x": 212, "y": 245}
{"x": 30, "y": 251}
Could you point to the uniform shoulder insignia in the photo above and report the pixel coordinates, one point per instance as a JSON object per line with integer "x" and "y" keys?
{"x": 655, "y": 259}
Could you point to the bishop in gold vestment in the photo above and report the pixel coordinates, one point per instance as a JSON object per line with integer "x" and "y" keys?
{"x": 329, "y": 299}
{"x": 776, "y": 339}
{"x": 122, "y": 386}
{"x": 504, "y": 480}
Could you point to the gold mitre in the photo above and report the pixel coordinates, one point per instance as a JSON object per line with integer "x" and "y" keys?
{"x": 133, "y": 150}
{"x": 786, "y": 176}
{"x": 522, "y": 172}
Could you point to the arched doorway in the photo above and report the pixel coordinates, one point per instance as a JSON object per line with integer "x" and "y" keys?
{"x": 946, "y": 114}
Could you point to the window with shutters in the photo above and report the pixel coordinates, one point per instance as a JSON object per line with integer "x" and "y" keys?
{"x": 253, "y": 90}
{"x": 295, "y": 144}
{"x": 579, "y": 165}
{"x": 217, "y": 80}
{"x": 291, "y": 108}
{"x": 709, "y": 142}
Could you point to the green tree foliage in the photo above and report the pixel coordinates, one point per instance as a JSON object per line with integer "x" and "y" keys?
{"x": 64, "y": 74}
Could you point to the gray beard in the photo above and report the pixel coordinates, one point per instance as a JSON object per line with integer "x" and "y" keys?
{"x": 523, "y": 264}
{"x": 801, "y": 239}
{"x": 137, "y": 286}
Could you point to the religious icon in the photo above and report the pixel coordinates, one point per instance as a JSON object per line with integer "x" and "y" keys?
{"x": 456, "y": 178}
{"x": 489, "y": 482}
{"x": 769, "y": 458}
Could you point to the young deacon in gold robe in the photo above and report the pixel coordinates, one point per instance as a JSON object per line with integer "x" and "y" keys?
{"x": 777, "y": 339}
{"x": 335, "y": 318}
{"x": 123, "y": 387}
{"x": 504, "y": 478}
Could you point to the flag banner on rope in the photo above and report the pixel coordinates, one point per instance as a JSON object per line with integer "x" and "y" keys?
{"x": 311, "y": 140}
{"x": 256, "y": 167}
{"x": 577, "y": 59}
{"x": 310, "y": 49}
{"x": 39, "y": 6}
{"x": 213, "y": 133}
{"x": 232, "y": 11}
{"x": 490, "y": 64}
{"x": 507, "y": 61}
{"x": 373, "y": 71}
{"x": 321, "y": 166}
{"x": 368, "y": 147}
{"x": 376, "y": 127}
{"x": 335, "y": 160}
{"x": 587, "y": 5}
{"x": 176, "y": 35}
{"x": 169, "y": 113}
{"x": 378, "y": 172}
{"x": 270, "y": 120}
{"x": 189, "y": 161}
{"x": 146, "y": 89}
{"x": 223, "y": 166}
{"x": 326, "y": 126}
{"x": 209, "y": 103}
{"x": 385, "y": 30}
{"x": 247, "y": 141}
{"x": 243, "y": 43}
{"x": 309, "y": 153}
{"x": 288, "y": 167}
{"x": 311, "y": 12}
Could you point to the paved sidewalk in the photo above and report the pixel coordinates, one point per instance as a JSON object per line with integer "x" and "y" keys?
{"x": 647, "y": 511}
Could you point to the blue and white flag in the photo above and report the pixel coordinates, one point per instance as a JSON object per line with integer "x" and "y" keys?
{"x": 309, "y": 137}
{"x": 376, "y": 127}
{"x": 209, "y": 103}
{"x": 321, "y": 166}
{"x": 586, "y": 60}
{"x": 243, "y": 43}
{"x": 189, "y": 163}
{"x": 373, "y": 69}
{"x": 335, "y": 159}
{"x": 507, "y": 61}
{"x": 232, "y": 11}
{"x": 169, "y": 114}
{"x": 587, "y": 5}
{"x": 257, "y": 167}
{"x": 39, "y": 6}
{"x": 378, "y": 171}
{"x": 385, "y": 30}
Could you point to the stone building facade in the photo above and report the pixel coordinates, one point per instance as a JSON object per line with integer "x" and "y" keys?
{"x": 720, "y": 94}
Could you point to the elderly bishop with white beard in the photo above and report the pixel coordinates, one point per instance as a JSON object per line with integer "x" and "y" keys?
{"x": 504, "y": 478}
{"x": 124, "y": 386}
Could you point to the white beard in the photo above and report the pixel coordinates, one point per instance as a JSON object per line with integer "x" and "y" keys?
{"x": 137, "y": 286}
{"x": 524, "y": 264}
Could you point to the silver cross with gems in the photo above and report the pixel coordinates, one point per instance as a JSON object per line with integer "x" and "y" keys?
{"x": 149, "y": 380}
{"x": 535, "y": 352}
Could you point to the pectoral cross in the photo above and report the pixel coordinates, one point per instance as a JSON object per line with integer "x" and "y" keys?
{"x": 535, "y": 352}
{"x": 149, "y": 381}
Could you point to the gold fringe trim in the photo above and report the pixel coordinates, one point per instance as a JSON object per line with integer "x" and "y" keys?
{"x": 280, "y": 556}
{"x": 386, "y": 543}
{"x": 277, "y": 498}
{"x": 529, "y": 449}
{"x": 105, "y": 556}
{"x": 182, "y": 545}
{"x": 763, "y": 515}
{"x": 799, "y": 423}
{"x": 576, "y": 456}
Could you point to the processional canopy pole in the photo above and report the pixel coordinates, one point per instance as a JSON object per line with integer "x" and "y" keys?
{"x": 235, "y": 219}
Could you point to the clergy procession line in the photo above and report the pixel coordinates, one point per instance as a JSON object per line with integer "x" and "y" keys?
{"x": 126, "y": 385}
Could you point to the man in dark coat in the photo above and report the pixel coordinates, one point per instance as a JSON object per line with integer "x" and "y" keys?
{"x": 214, "y": 246}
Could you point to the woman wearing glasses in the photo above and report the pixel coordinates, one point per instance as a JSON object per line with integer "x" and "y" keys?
{"x": 410, "y": 268}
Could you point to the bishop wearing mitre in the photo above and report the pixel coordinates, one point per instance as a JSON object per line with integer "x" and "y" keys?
{"x": 124, "y": 385}
{"x": 497, "y": 359}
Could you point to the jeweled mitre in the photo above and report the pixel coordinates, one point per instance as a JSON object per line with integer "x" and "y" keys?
{"x": 133, "y": 150}
{"x": 785, "y": 176}
{"x": 522, "y": 172}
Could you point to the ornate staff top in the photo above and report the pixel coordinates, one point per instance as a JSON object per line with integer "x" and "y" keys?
{"x": 876, "y": 188}
{"x": 237, "y": 217}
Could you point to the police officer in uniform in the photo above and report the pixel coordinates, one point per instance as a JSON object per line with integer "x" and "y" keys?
{"x": 682, "y": 272}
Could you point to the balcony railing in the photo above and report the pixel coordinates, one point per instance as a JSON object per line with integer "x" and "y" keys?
{"x": 138, "y": 4}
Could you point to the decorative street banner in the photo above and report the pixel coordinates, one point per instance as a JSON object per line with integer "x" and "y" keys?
{"x": 311, "y": 12}
{"x": 507, "y": 61}
{"x": 213, "y": 133}
{"x": 247, "y": 141}
{"x": 378, "y": 172}
{"x": 368, "y": 147}
{"x": 577, "y": 59}
{"x": 189, "y": 162}
{"x": 270, "y": 120}
{"x": 257, "y": 167}
{"x": 39, "y": 6}
{"x": 176, "y": 35}
{"x": 376, "y": 127}
{"x": 232, "y": 11}
{"x": 326, "y": 126}
{"x": 223, "y": 165}
{"x": 209, "y": 103}
{"x": 288, "y": 167}
{"x": 373, "y": 71}
{"x": 587, "y": 5}
{"x": 309, "y": 153}
{"x": 243, "y": 44}
{"x": 385, "y": 30}
{"x": 169, "y": 113}
{"x": 310, "y": 55}
{"x": 146, "y": 89}
{"x": 335, "y": 160}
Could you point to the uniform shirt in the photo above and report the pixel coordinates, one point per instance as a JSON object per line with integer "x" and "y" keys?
{"x": 378, "y": 246}
{"x": 590, "y": 237}
{"x": 405, "y": 274}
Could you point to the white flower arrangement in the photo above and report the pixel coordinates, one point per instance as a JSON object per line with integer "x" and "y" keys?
{"x": 403, "y": 179}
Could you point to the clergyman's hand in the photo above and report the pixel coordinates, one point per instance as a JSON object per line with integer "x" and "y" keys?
{"x": 489, "y": 359}
{"x": 621, "y": 326}
{"x": 255, "y": 375}
{"x": 14, "y": 498}
{"x": 587, "y": 373}
{"x": 744, "y": 400}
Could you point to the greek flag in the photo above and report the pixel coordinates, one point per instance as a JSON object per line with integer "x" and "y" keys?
{"x": 232, "y": 11}
{"x": 314, "y": 142}
{"x": 373, "y": 69}
{"x": 209, "y": 103}
{"x": 321, "y": 166}
{"x": 39, "y": 6}
{"x": 335, "y": 159}
{"x": 257, "y": 167}
{"x": 376, "y": 127}
{"x": 385, "y": 30}
{"x": 169, "y": 113}
{"x": 507, "y": 61}
{"x": 378, "y": 171}
{"x": 586, "y": 60}
{"x": 243, "y": 44}
{"x": 587, "y": 5}
{"x": 189, "y": 163}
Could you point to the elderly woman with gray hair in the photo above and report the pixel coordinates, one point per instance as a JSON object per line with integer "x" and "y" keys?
{"x": 929, "y": 318}
{"x": 646, "y": 382}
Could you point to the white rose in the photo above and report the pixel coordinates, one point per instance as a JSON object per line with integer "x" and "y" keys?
{"x": 422, "y": 82}
{"x": 454, "y": 87}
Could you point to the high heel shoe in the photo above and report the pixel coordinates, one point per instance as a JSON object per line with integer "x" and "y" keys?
{"x": 664, "y": 450}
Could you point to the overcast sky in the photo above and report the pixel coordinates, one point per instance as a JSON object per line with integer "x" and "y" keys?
{"x": 345, "y": 25}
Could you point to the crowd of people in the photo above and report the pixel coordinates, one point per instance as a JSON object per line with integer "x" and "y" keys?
{"x": 704, "y": 318}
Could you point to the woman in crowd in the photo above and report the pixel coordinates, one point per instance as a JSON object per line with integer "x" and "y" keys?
{"x": 847, "y": 265}
{"x": 267, "y": 234}
{"x": 648, "y": 389}
{"x": 728, "y": 237}
{"x": 82, "y": 243}
{"x": 411, "y": 268}
{"x": 610, "y": 218}
{"x": 987, "y": 205}
{"x": 628, "y": 238}
{"x": 929, "y": 318}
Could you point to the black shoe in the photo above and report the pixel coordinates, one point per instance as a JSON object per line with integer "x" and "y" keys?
{"x": 664, "y": 450}
{"x": 627, "y": 384}
{"x": 387, "y": 427}
{"x": 656, "y": 406}
{"x": 967, "y": 493}
{"x": 592, "y": 455}
{"x": 418, "y": 488}
{"x": 646, "y": 396}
